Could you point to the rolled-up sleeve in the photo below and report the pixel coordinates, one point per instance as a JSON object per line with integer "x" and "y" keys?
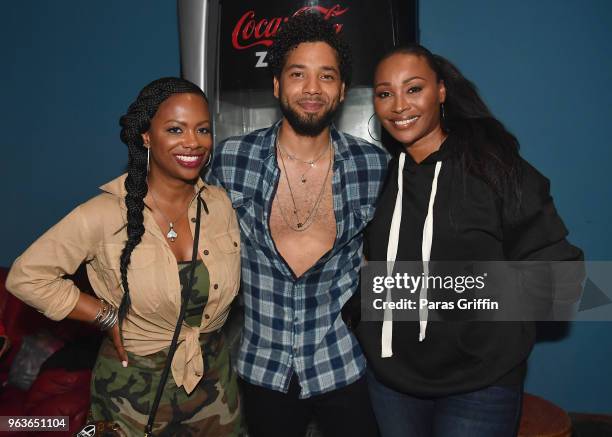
{"x": 37, "y": 276}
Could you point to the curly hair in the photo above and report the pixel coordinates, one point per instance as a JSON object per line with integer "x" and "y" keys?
{"x": 134, "y": 123}
{"x": 308, "y": 27}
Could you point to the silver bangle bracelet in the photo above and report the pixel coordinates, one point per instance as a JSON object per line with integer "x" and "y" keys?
{"x": 107, "y": 316}
{"x": 109, "y": 319}
{"x": 100, "y": 312}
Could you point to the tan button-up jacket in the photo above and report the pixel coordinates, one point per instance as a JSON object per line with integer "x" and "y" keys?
{"x": 94, "y": 233}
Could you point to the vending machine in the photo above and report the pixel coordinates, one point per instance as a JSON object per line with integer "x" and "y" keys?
{"x": 224, "y": 46}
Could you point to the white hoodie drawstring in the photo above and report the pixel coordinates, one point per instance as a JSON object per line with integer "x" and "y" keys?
{"x": 426, "y": 251}
{"x": 387, "y": 328}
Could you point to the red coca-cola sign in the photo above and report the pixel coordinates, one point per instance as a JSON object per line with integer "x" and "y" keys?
{"x": 248, "y": 27}
{"x": 250, "y": 31}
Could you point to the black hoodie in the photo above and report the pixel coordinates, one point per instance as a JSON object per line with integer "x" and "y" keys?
{"x": 471, "y": 222}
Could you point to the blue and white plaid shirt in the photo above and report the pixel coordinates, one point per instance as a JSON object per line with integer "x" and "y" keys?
{"x": 295, "y": 325}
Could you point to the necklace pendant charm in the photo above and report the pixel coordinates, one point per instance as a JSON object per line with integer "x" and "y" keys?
{"x": 311, "y": 164}
{"x": 303, "y": 180}
{"x": 171, "y": 235}
{"x": 299, "y": 225}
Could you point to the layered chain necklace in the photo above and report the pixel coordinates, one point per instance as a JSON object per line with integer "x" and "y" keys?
{"x": 171, "y": 234}
{"x": 311, "y": 163}
{"x": 304, "y": 224}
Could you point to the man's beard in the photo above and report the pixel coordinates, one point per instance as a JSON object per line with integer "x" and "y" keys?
{"x": 310, "y": 125}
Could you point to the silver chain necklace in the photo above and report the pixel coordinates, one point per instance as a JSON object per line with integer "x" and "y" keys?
{"x": 171, "y": 234}
{"x": 311, "y": 163}
{"x": 309, "y": 220}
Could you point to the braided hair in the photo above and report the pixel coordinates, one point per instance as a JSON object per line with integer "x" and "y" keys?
{"x": 134, "y": 123}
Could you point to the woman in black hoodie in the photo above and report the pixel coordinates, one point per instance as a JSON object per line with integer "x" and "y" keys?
{"x": 464, "y": 194}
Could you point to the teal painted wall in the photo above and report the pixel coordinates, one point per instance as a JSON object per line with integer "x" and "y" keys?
{"x": 70, "y": 68}
{"x": 544, "y": 68}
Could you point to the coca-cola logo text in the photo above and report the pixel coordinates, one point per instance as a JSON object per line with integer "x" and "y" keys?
{"x": 249, "y": 32}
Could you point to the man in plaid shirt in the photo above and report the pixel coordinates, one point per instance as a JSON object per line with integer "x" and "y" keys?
{"x": 303, "y": 193}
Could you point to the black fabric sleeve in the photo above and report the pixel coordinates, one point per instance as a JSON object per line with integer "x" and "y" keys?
{"x": 535, "y": 232}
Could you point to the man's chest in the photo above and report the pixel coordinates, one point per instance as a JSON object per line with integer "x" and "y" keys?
{"x": 269, "y": 208}
{"x": 302, "y": 219}
{"x": 299, "y": 207}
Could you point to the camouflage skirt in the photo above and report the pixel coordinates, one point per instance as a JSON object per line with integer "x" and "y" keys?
{"x": 125, "y": 395}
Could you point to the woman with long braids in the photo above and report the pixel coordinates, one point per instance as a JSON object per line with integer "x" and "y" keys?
{"x": 458, "y": 191}
{"x": 160, "y": 246}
